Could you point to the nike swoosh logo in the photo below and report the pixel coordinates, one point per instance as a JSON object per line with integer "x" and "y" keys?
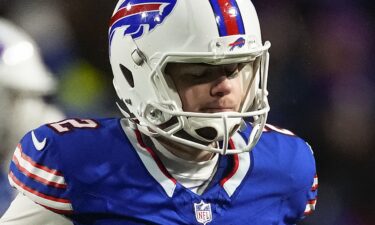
{"x": 38, "y": 145}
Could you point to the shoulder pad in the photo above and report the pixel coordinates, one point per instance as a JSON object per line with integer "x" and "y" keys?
{"x": 37, "y": 168}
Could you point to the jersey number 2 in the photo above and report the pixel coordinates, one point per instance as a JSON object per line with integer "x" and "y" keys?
{"x": 70, "y": 124}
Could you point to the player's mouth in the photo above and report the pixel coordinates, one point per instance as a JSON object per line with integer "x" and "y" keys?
{"x": 218, "y": 109}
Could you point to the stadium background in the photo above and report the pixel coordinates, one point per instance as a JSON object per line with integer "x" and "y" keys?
{"x": 321, "y": 82}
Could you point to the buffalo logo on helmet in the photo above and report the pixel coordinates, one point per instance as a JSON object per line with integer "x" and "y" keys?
{"x": 140, "y": 16}
{"x": 237, "y": 43}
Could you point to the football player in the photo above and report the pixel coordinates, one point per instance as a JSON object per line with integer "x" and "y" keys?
{"x": 193, "y": 146}
{"x": 24, "y": 81}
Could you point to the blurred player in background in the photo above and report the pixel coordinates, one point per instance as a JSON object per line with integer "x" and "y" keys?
{"x": 193, "y": 146}
{"x": 24, "y": 83}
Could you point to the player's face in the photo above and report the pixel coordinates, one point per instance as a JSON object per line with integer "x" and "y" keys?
{"x": 207, "y": 88}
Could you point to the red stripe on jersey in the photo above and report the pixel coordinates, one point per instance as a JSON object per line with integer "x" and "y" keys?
{"x": 35, "y": 192}
{"x": 48, "y": 170}
{"x": 236, "y": 164}
{"x": 314, "y": 188}
{"x": 36, "y": 177}
{"x": 312, "y": 202}
{"x": 58, "y": 211}
{"x": 154, "y": 156}
{"x": 134, "y": 9}
{"x": 229, "y": 19}
{"x": 310, "y": 207}
{"x": 307, "y": 213}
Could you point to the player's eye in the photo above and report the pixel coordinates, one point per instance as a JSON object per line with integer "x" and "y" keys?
{"x": 199, "y": 77}
{"x": 234, "y": 74}
{"x": 232, "y": 70}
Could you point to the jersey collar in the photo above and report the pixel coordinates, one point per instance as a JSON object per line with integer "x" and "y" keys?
{"x": 230, "y": 183}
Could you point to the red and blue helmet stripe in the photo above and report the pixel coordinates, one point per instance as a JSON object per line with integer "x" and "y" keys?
{"x": 228, "y": 17}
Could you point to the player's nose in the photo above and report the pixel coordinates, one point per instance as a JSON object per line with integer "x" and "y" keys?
{"x": 221, "y": 86}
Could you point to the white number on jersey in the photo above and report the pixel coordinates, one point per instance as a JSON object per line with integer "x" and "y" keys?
{"x": 69, "y": 124}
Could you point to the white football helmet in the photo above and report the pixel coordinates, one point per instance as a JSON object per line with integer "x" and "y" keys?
{"x": 24, "y": 81}
{"x": 21, "y": 67}
{"x": 146, "y": 35}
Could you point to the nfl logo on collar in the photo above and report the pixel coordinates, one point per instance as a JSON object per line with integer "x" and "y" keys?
{"x": 203, "y": 212}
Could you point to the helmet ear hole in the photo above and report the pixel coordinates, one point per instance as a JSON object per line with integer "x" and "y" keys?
{"x": 128, "y": 75}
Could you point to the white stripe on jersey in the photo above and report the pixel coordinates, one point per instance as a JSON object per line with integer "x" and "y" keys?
{"x": 315, "y": 183}
{"x": 151, "y": 165}
{"x": 310, "y": 206}
{"x": 45, "y": 176}
{"x": 40, "y": 198}
{"x": 280, "y": 130}
{"x": 231, "y": 185}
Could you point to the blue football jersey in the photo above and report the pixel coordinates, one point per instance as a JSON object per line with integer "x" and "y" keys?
{"x": 101, "y": 172}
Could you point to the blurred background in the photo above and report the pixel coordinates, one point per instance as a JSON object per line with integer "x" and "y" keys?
{"x": 321, "y": 83}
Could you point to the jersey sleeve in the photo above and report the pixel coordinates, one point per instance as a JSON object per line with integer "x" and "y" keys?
{"x": 302, "y": 200}
{"x": 23, "y": 211}
{"x": 36, "y": 171}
